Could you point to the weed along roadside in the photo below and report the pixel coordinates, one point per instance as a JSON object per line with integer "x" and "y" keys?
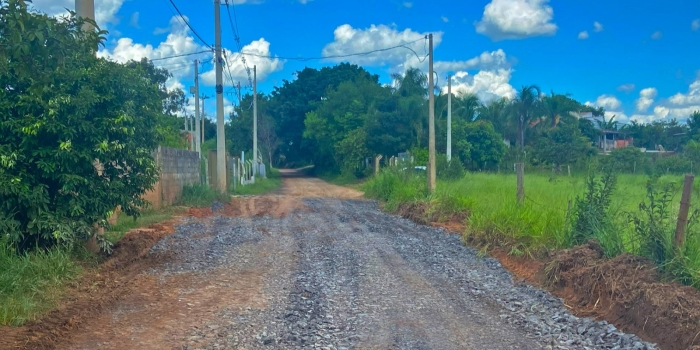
{"x": 606, "y": 244}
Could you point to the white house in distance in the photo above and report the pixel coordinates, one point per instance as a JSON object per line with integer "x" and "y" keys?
{"x": 609, "y": 139}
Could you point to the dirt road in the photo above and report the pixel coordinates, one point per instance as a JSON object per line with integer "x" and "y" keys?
{"x": 314, "y": 267}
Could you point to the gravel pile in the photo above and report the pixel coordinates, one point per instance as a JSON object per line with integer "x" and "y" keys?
{"x": 342, "y": 274}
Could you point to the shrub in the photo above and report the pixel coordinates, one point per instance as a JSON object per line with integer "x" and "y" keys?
{"x": 62, "y": 108}
{"x": 592, "y": 218}
{"x": 451, "y": 170}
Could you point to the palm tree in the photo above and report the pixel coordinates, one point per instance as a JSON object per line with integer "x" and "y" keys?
{"x": 555, "y": 106}
{"x": 610, "y": 124}
{"x": 496, "y": 112}
{"x": 524, "y": 107}
{"x": 413, "y": 82}
{"x": 467, "y": 106}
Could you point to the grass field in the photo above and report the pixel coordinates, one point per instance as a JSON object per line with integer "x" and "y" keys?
{"x": 543, "y": 221}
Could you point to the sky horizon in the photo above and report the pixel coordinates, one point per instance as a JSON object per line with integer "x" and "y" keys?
{"x": 638, "y": 60}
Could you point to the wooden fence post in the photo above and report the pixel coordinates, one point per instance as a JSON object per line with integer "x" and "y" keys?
{"x": 520, "y": 170}
{"x": 683, "y": 211}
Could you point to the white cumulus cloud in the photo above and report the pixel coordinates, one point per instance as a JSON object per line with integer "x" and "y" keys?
{"x": 609, "y": 102}
{"x": 516, "y": 19}
{"x": 583, "y": 35}
{"x": 646, "y": 99}
{"x": 485, "y": 61}
{"x": 486, "y": 84}
{"x": 105, "y": 10}
{"x": 264, "y": 65}
{"x": 349, "y": 40}
{"x": 597, "y": 27}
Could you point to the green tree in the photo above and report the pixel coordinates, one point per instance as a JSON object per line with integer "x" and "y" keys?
{"x": 290, "y": 103}
{"x": 483, "y": 148}
{"x": 525, "y": 107}
{"x": 564, "y": 145}
{"x": 174, "y": 101}
{"x": 61, "y": 108}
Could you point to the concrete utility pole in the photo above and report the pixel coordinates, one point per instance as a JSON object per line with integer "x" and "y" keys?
{"x": 85, "y": 9}
{"x": 449, "y": 118}
{"x": 204, "y": 98}
{"x": 198, "y": 144}
{"x": 220, "y": 138}
{"x": 431, "y": 119}
{"x": 255, "y": 120}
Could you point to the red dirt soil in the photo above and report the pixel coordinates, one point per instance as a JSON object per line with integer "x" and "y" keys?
{"x": 626, "y": 291}
{"x": 94, "y": 292}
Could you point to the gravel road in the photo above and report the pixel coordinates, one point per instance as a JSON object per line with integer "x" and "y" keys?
{"x": 290, "y": 271}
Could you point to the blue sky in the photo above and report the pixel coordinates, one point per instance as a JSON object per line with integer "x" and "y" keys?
{"x": 638, "y": 59}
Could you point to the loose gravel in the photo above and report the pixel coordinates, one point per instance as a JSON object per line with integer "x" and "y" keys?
{"x": 341, "y": 274}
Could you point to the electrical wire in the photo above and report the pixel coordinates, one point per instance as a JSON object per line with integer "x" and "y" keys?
{"x": 237, "y": 38}
{"x": 420, "y": 59}
{"x": 189, "y": 26}
{"x": 182, "y": 55}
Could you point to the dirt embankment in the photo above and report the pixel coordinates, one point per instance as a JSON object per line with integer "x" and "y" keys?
{"x": 96, "y": 290}
{"x": 626, "y": 291}
{"x": 121, "y": 276}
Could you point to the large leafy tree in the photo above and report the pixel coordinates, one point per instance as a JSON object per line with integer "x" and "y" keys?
{"x": 61, "y": 109}
{"x": 294, "y": 99}
{"x": 173, "y": 101}
{"x": 484, "y": 148}
{"x": 564, "y": 145}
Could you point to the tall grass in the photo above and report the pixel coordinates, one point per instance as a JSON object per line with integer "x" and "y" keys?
{"x": 200, "y": 196}
{"x": 272, "y": 183}
{"x": 548, "y": 217}
{"x": 31, "y": 283}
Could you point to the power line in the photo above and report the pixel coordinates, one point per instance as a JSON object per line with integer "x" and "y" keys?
{"x": 420, "y": 59}
{"x": 236, "y": 37}
{"x": 182, "y": 55}
{"x": 188, "y": 25}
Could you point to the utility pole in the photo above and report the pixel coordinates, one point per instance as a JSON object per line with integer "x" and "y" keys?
{"x": 220, "y": 138}
{"x": 431, "y": 119}
{"x": 198, "y": 144}
{"x": 449, "y": 118}
{"x": 204, "y": 98}
{"x": 85, "y": 9}
{"x": 255, "y": 120}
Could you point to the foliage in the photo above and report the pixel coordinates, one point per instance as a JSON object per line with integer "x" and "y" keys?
{"x": 655, "y": 224}
{"x": 61, "y": 109}
{"x": 30, "y": 283}
{"x": 592, "y": 217}
{"x": 454, "y": 169}
{"x": 201, "y": 196}
{"x": 173, "y": 102}
{"x": 290, "y": 103}
{"x": 626, "y": 159}
{"x": 524, "y": 107}
{"x": 484, "y": 148}
{"x": 272, "y": 183}
{"x": 563, "y": 145}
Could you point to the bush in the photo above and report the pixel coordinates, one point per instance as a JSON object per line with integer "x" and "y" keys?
{"x": 451, "y": 170}
{"x": 62, "y": 108}
{"x": 592, "y": 217}
{"x": 626, "y": 160}
{"x": 201, "y": 196}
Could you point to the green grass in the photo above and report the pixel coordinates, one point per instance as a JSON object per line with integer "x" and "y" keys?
{"x": 494, "y": 217}
{"x": 261, "y": 185}
{"x": 33, "y": 283}
{"x": 148, "y": 217}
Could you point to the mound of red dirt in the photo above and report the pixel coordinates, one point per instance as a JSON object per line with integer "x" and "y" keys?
{"x": 626, "y": 291}
{"x": 97, "y": 290}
